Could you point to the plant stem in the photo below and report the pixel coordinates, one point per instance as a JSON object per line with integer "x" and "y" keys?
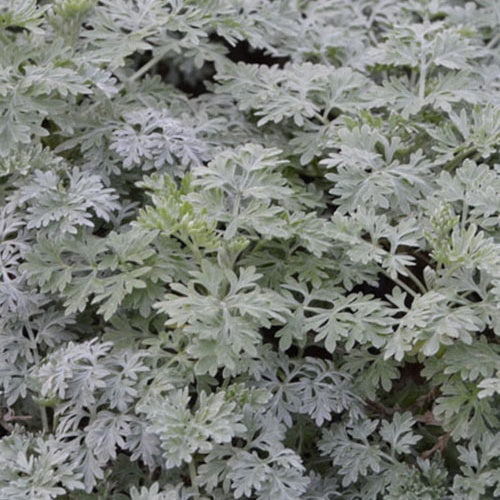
{"x": 465, "y": 214}
{"x": 152, "y": 62}
{"x": 417, "y": 282}
{"x": 45, "y": 421}
{"x": 423, "y": 76}
{"x": 455, "y": 161}
{"x": 55, "y": 422}
{"x": 192, "y": 476}
{"x": 493, "y": 41}
{"x": 36, "y": 357}
{"x": 400, "y": 283}
{"x": 301, "y": 442}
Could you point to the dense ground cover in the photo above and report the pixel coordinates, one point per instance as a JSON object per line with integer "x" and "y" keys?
{"x": 249, "y": 249}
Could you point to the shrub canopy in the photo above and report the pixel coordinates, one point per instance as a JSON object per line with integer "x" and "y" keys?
{"x": 249, "y": 249}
